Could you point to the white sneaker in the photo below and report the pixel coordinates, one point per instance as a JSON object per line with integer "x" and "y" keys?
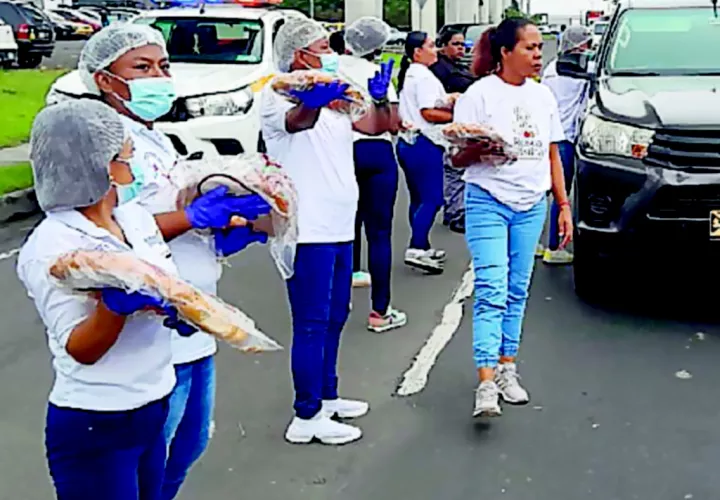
{"x": 393, "y": 319}
{"x": 508, "y": 381}
{"x": 539, "y": 251}
{"x": 321, "y": 428}
{"x": 557, "y": 257}
{"x": 345, "y": 408}
{"x": 439, "y": 255}
{"x": 487, "y": 400}
{"x": 361, "y": 279}
{"x": 423, "y": 260}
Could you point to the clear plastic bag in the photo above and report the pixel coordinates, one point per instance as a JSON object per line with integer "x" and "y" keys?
{"x": 356, "y": 103}
{"x": 456, "y": 137}
{"x": 94, "y": 270}
{"x": 245, "y": 174}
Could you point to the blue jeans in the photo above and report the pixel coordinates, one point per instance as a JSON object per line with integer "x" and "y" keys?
{"x": 116, "y": 455}
{"x": 377, "y": 174}
{"x": 422, "y": 163}
{"x": 319, "y": 294}
{"x": 187, "y": 429}
{"x": 502, "y": 242}
{"x": 567, "y": 155}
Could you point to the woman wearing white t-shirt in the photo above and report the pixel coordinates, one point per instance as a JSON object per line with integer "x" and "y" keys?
{"x": 422, "y": 104}
{"x": 506, "y": 205}
{"x": 315, "y": 146}
{"x": 127, "y": 67}
{"x": 111, "y": 356}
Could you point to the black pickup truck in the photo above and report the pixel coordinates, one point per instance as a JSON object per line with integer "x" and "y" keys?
{"x": 647, "y": 189}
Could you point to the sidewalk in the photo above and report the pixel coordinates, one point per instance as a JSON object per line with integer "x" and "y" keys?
{"x": 17, "y": 154}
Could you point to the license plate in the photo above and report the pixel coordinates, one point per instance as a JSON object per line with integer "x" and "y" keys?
{"x": 43, "y": 36}
{"x": 715, "y": 224}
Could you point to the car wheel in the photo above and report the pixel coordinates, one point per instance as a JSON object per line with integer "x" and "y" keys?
{"x": 29, "y": 61}
{"x": 592, "y": 274}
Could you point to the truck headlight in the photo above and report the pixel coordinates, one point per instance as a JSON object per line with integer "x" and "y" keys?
{"x": 602, "y": 137}
{"x": 237, "y": 102}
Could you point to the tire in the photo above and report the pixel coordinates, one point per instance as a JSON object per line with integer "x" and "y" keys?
{"x": 593, "y": 275}
{"x": 29, "y": 61}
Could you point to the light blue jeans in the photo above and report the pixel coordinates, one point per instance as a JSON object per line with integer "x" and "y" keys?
{"x": 502, "y": 242}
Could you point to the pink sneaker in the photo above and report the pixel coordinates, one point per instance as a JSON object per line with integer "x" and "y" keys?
{"x": 390, "y": 321}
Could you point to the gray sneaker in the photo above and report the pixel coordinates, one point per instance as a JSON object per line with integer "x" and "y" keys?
{"x": 508, "y": 381}
{"x": 487, "y": 400}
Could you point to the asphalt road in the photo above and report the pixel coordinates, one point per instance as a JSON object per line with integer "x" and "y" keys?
{"x": 65, "y": 55}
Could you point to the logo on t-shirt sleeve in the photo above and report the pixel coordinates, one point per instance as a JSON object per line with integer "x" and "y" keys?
{"x": 527, "y": 142}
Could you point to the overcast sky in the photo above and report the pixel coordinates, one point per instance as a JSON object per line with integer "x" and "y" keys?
{"x": 563, "y": 6}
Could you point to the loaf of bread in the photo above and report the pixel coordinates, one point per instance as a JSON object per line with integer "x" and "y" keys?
{"x": 354, "y": 104}
{"x": 93, "y": 270}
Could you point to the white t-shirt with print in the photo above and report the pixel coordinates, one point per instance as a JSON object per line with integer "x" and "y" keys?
{"x": 320, "y": 163}
{"x": 421, "y": 90}
{"x": 137, "y": 369}
{"x": 193, "y": 252}
{"x": 357, "y": 72}
{"x": 527, "y": 117}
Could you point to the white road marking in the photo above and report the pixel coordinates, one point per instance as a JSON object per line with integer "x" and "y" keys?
{"x": 11, "y": 253}
{"x": 416, "y": 377}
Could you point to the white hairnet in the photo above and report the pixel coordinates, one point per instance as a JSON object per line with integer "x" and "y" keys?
{"x": 297, "y": 33}
{"x": 573, "y": 37}
{"x": 71, "y": 146}
{"x": 110, "y": 44}
{"x": 366, "y": 35}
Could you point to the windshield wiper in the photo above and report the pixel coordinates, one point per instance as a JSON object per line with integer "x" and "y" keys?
{"x": 715, "y": 7}
{"x": 634, "y": 73}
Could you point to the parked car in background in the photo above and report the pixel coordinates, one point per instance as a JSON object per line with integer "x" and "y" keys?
{"x": 8, "y": 46}
{"x": 647, "y": 188}
{"x": 78, "y": 17}
{"x": 33, "y": 30}
{"x": 598, "y": 29}
{"x": 397, "y": 37}
{"x": 69, "y": 30}
{"x": 221, "y": 58}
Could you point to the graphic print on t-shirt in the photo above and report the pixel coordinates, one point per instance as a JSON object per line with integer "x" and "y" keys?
{"x": 526, "y": 142}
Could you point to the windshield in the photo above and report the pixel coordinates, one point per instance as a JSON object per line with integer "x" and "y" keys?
{"x": 666, "y": 42}
{"x": 473, "y": 33}
{"x": 600, "y": 28}
{"x": 208, "y": 40}
{"x": 34, "y": 14}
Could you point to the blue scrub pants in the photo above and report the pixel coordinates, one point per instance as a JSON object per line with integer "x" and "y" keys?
{"x": 117, "y": 455}
{"x": 319, "y": 294}
{"x": 377, "y": 174}
{"x": 422, "y": 163}
{"x": 187, "y": 429}
{"x": 502, "y": 243}
{"x": 567, "y": 155}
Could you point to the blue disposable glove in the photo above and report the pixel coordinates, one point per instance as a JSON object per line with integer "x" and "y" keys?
{"x": 213, "y": 210}
{"x": 379, "y": 84}
{"x": 232, "y": 241}
{"x": 174, "y": 323}
{"x": 124, "y": 304}
{"x": 321, "y": 94}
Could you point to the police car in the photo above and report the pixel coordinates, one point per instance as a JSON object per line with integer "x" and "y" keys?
{"x": 221, "y": 57}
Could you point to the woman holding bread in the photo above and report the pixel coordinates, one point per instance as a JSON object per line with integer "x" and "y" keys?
{"x": 127, "y": 67}
{"x": 506, "y": 204}
{"x": 315, "y": 146}
{"x": 111, "y": 353}
{"x": 423, "y": 103}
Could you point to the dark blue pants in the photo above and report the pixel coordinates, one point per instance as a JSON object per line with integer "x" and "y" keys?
{"x": 567, "y": 155}
{"x": 187, "y": 428}
{"x": 107, "y": 455}
{"x": 422, "y": 163}
{"x": 377, "y": 174}
{"x": 319, "y": 294}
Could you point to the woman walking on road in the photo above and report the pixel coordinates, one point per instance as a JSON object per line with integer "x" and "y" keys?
{"x": 315, "y": 146}
{"x": 506, "y": 205}
{"x": 423, "y": 103}
{"x": 127, "y": 67}
{"x": 572, "y": 96}
{"x": 376, "y": 170}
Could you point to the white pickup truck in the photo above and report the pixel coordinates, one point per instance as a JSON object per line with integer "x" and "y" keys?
{"x": 8, "y": 46}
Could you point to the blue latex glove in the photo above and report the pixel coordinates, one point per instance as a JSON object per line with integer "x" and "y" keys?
{"x": 379, "y": 84}
{"x": 124, "y": 304}
{"x": 322, "y": 94}
{"x": 232, "y": 241}
{"x": 173, "y": 322}
{"x": 213, "y": 210}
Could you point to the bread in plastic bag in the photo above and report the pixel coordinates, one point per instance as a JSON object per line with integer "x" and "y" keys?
{"x": 456, "y": 137}
{"x": 83, "y": 270}
{"x": 356, "y": 102}
{"x": 245, "y": 174}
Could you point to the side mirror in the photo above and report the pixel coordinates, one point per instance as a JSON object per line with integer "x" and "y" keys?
{"x": 576, "y": 65}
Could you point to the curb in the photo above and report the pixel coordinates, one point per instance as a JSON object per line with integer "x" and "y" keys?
{"x": 18, "y": 205}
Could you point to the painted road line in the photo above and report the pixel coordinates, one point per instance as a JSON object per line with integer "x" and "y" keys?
{"x": 10, "y": 254}
{"x": 416, "y": 377}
